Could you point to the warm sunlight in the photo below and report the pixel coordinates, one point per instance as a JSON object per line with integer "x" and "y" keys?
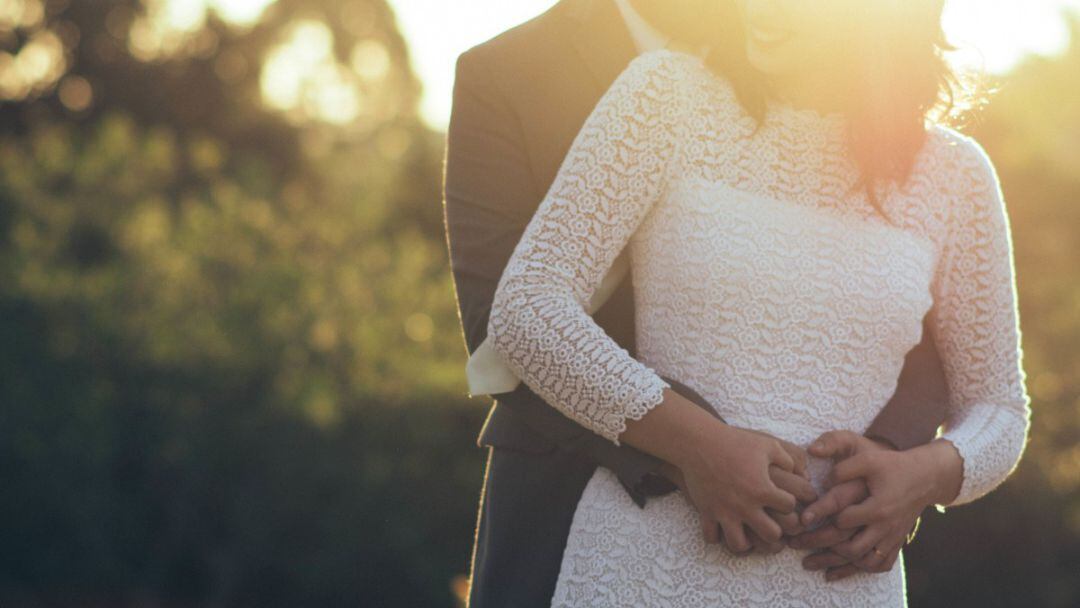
{"x": 169, "y": 24}
{"x": 39, "y": 63}
{"x": 994, "y": 34}
{"x": 262, "y": 310}
{"x": 302, "y": 77}
{"x": 188, "y": 13}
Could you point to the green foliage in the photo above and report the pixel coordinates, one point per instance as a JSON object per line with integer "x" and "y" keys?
{"x": 185, "y": 242}
{"x": 127, "y": 485}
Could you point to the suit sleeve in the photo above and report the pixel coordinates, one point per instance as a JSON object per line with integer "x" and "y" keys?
{"x": 488, "y": 192}
{"x": 489, "y": 195}
{"x": 917, "y": 408}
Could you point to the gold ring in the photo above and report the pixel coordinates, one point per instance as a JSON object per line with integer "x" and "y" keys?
{"x": 878, "y": 552}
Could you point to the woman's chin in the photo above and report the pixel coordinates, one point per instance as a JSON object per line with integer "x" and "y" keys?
{"x": 771, "y": 63}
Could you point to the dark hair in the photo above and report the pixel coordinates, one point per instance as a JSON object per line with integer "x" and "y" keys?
{"x": 900, "y": 81}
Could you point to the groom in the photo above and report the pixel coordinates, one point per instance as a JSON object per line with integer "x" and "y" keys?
{"x": 519, "y": 101}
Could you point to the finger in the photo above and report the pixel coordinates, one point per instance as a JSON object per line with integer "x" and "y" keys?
{"x": 793, "y": 483}
{"x": 862, "y": 514}
{"x": 735, "y": 537}
{"x": 780, "y": 457}
{"x": 756, "y": 543}
{"x": 765, "y": 526}
{"x": 862, "y": 543}
{"x": 709, "y": 529}
{"x": 859, "y": 465}
{"x": 840, "y": 572}
{"x": 892, "y": 554}
{"x": 872, "y": 561}
{"x": 836, "y": 499}
{"x": 762, "y": 546}
{"x": 823, "y": 559}
{"x": 778, "y": 500}
{"x": 834, "y": 444}
{"x": 798, "y": 456}
{"x": 826, "y": 506}
{"x": 825, "y": 537}
{"x": 890, "y": 562}
{"x": 771, "y": 548}
{"x": 883, "y": 559}
{"x": 789, "y": 522}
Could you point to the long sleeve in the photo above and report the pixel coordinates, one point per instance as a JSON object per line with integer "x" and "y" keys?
{"x": 976, "y": 323}
{"x": 615, "y": 171}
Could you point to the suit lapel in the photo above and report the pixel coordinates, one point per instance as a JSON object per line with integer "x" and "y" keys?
{"x": 601, "y": 38}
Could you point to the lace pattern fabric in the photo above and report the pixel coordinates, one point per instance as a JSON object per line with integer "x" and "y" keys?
{"x": 620, "y": 555}
{"x": 767, "y": 282}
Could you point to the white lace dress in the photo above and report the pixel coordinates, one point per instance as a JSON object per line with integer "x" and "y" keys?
{"x": 764, "y": 281}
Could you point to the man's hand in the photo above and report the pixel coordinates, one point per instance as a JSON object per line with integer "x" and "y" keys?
{"x": 828, "y": 535}
{"x": 875, "y": 497}
{"x": 767, "y": 506}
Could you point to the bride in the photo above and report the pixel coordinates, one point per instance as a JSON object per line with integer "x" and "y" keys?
{"x": 792, "y": 211}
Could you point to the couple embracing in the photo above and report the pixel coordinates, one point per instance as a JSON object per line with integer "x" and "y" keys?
{"x": 746, "y": 304}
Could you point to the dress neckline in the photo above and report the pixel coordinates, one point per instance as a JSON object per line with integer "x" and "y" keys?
{"x": 821, "y": 127}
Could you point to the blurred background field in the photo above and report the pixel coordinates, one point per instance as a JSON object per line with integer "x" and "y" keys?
{"x": 231, "y": 370}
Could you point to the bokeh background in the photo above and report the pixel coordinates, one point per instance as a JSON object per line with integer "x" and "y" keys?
{"x": 231, "y": 370}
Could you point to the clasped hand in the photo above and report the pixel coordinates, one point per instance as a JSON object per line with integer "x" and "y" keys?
{"x": 752, "y": 493}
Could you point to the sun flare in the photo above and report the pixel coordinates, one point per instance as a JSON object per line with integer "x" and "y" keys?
{"x": 993, "y": 34}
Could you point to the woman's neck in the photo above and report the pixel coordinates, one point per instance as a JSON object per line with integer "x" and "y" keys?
{"x": 817, "y": 91}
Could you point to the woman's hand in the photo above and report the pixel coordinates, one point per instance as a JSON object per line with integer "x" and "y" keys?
{"x": 794, "y": 482}
{"x": 725, "y": 470}
{"x": 735, "y": 478}
{"x": 900, "y": 483}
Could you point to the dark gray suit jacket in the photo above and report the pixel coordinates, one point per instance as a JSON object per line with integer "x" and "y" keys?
{"x": 519, "y": 101}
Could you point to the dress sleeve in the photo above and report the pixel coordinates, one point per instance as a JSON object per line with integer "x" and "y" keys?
{"x": 976, "y": 323}
{"x": 615, "y": 171}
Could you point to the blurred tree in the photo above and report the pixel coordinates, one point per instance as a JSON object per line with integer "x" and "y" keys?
{"x": 222, "y": 261}
{"x": 1032, "y": 130}
{"x": 253, "y": 196}
{"x": 1021, "y": 544}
